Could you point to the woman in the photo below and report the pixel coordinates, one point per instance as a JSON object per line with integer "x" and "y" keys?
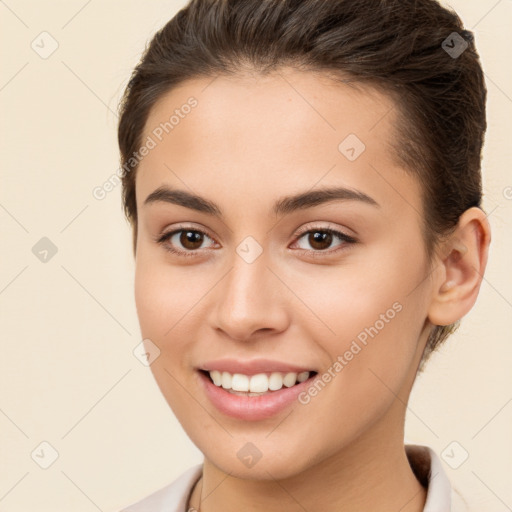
{"x": 303, "y": 182}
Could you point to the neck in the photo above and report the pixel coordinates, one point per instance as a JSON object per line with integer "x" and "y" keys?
{"x": 372, "y": 474}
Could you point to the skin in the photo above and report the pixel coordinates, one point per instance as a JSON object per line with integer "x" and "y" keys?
{"x": 250, "y": 141}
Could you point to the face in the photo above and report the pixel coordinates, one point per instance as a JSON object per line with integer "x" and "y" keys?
{"x": 329, "y": 283}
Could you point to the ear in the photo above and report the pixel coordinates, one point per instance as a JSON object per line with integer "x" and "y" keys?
{"x": 462, "y": 266}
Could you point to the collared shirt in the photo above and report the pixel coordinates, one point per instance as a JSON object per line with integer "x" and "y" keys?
{"x": 425, "y": 463}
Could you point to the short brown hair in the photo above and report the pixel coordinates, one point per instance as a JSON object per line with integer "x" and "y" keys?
{"x": 399, "y": 46}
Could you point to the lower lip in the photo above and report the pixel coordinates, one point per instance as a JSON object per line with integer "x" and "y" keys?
{"x": 252, "y": 408}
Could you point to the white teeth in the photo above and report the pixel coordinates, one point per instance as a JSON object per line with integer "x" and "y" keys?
{"x": 216, "y": 377}
{"x": 290, "y": 379}
{"x": 301, "y": 377}
{"x": 259, "y": 383}
{"x": 240, "y": 382}
{"x": 226, "y": 380}
{"x": 275, "y": 381}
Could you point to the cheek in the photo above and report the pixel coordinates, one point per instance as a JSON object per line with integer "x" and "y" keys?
{"x": 163, "y": 312}
{"x": 372, "y": 348}
{"x": 170, "y": 309}
{"x": 344, "y": 303}
{"x": 162, "y": 295}
{"x": 150, "y": 299}
{"x": 369, "y": 319}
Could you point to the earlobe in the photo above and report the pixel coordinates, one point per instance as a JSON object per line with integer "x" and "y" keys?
{"x": 463, "y": 267}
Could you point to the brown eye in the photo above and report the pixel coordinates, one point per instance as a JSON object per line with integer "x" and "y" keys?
{"x": 320, "y": 240}
{"x": 191, "y": 240}
{"x": 184, "y": 242}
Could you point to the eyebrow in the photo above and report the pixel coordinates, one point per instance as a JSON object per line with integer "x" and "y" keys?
{"x": 282, "y": 206}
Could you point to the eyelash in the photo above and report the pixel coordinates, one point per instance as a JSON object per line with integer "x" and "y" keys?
{"x": 348, "y": 240}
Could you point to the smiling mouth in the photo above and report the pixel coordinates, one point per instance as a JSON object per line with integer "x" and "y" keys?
{"x": 256, "y": 385}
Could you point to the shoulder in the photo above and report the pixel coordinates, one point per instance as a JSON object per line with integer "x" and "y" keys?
{"x": 172, "y": 497}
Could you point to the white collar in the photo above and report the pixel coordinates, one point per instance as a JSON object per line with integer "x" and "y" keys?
{"x": 427, "y": 467}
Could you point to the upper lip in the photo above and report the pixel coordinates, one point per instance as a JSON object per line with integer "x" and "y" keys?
{"x": 252, "y": 367}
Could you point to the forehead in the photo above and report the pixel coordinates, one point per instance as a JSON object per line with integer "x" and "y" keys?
{"x": 277, "y": 109}
{"x": 271, "y": 133}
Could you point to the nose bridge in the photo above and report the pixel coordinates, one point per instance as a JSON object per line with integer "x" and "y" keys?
{"x": 248, "y": 299}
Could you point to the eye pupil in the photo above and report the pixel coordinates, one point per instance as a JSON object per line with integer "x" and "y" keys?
{"x": 320, "y": 237}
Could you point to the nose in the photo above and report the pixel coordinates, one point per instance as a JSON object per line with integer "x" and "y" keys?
{"x": 250, "y": 301}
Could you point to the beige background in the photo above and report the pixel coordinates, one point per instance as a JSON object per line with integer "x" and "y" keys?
{"x": 68, "y": 375}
